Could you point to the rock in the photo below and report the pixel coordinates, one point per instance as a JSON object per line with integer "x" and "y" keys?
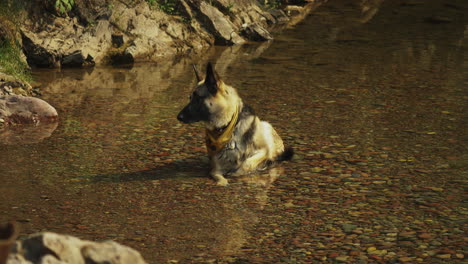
{"x": 279, "y": 15}
{"x": 425, "y": 236}
{"x": 65, "y": 43}
{"x": 54, "y": 248}
{"x": 110, "y": 252}
{"x": 118, "y": 40}
{"x": 255, "y": 32}
{"x": 294, "y": 10}
{"x": 406, "y": 259}
{"x": 126, "y": 57}
{"x": 223, "y": 29}
{"x": 77, "y": 59}
{"x": 24, "y": 109}
{"x": 444, "y": 256}
{"x": 97, "y": 32}
{"x": 13, "y": 86}
{"x": 342, "y": 258}
{"x": 348, "y": 228}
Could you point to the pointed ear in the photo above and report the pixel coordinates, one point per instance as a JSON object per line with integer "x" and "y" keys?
{"x": 211, "y": 79}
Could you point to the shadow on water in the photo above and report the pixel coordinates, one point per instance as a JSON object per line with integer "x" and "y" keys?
{"x": 180, "y": 169}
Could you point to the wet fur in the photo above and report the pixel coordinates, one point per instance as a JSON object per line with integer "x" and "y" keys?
{"x": 254, "y": 144}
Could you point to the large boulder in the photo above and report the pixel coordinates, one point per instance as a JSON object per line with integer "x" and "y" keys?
{"x": 224, "y": 30}
{"x": 65, "y": 42}
{"x": 16, "y": 109}
{"x": 49, "y": 247}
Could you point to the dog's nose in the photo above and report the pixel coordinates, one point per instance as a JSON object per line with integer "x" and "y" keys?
{"x": 180, "y": 116}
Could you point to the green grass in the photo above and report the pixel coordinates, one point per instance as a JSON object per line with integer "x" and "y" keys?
{"x": 274, "y": 4}
{"x": 11, "y": 62}
{"x": 64, "y": 6}
{"x": 230, "y": 6}
{"x": 170, "y": 7}
{"x": 11, "y": 8}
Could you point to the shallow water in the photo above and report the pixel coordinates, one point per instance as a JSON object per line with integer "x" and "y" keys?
{"x": 372, "y": 98}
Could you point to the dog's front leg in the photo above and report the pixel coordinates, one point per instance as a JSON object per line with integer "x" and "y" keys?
{"x": 217, "y": 174}
{"x": 252, "y": 163}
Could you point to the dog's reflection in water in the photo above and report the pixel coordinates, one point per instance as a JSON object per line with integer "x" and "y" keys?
{"x": 262, "y": 182}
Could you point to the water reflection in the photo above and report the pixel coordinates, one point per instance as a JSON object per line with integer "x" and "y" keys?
{"x": 26, "y": 134}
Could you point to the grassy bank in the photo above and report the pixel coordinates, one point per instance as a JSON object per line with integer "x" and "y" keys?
{"x": 11, "y": 61}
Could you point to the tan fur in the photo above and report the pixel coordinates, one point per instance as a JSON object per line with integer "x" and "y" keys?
{"x": 253, "y": 143}
{"x": 223, "y": 105}
{"x": 265, "y": 144}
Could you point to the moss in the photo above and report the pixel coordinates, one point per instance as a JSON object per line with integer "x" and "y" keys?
{"x": 11, "y": 62}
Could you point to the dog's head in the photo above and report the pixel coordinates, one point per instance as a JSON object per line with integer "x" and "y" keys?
{"x": 210, "y": 101}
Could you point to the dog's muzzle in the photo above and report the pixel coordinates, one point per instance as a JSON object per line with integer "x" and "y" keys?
{"x": 181, "y": 117}
{"x": 184, "y": 117}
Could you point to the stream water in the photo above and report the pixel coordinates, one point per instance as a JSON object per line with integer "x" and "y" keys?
{"x": 371, "y": 96}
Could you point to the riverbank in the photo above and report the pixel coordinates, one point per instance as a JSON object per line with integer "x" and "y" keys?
{"x": 86, "y": 33}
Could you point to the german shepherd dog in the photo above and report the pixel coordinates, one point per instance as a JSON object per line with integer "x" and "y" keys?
{"x": 238, "y": 142}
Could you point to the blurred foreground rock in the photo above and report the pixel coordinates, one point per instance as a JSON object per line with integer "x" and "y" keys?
{"x": 8, "y": 234}
{"x": 54, "y": 248}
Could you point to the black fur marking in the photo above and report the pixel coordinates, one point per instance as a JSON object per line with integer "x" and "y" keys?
{"x": 287, "y": 154}
{"x": 195, "y": 111}
{"x": 244, "y": 114}
{"x": 211, "y": 79}
{"x": 248, "y": 135}
{"x": 243, "y": 157}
